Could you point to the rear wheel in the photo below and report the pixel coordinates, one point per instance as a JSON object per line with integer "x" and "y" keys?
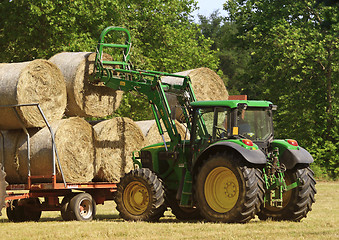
{"x": 182, "y": 213}
{"x": 140, "y": 196}
{"x": 297, "y": 202}
{"x": 227, "y": 190}
{"x": 3, "y": 185}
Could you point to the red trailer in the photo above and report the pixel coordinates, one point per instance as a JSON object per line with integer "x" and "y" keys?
{"x": 79, "y": 200}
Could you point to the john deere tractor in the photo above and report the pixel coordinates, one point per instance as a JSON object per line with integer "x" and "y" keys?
{"x": 229, "y": 170}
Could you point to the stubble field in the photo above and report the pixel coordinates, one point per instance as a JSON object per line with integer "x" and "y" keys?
{"x": 321, "y": 223}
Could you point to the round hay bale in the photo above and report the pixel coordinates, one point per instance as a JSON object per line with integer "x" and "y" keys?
{"x": 38, "y": 81}
{"x": 206, "y": 84}
{"x": 116, "y": 139}
{"x": 145, "y": 126}
{"x": 8, "y": 148}
{"x": 154, "y": 137}
{"x": 85, "y": 98}
{"x": 74, "y": 139}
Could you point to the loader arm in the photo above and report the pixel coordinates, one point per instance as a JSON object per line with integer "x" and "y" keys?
{"x": 119, "y": 76}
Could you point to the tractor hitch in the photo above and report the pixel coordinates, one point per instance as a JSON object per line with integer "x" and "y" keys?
{"x": 274, "y": 178}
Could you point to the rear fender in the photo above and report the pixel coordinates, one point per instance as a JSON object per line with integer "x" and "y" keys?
{"x": 251, "y": 156}
{"x": 292, "y": 155}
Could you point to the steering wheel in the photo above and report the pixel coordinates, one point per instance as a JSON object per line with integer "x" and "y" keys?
{"x": 220, "y": 132}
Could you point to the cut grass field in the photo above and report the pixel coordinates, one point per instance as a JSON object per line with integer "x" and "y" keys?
{"x": 321, "y": 223}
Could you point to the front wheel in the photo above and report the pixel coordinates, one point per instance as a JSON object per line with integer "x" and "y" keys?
{"x": 227, "y": 190}
{"x": 140, "y": 196}
{"x": 297, "y": 202}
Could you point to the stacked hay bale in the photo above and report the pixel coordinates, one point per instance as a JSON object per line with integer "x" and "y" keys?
{"x": 8, "y": 148}
{"x": 145, "y": 126}
{"x": 41, "y": 81}
{"x": 12, "y": 140}
{"x": 116, "y": 139}
{"x": 206, "y": 84}
{"x": 85, "y": 98}
{"x": 100, "y": 153}
{"x": 64, "y": 79}
{"x": 150, "y": 130}
{"x": 38, "y": 81}
{"x": 74, "y": 140}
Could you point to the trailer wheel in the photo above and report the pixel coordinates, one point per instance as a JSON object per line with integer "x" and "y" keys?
{"x": 297, "y": 202}
{"x": 3, "y": 185}
{"x": 24, "y": 210}
{"x": 82, "y": 207}
{"x": 66, "y": 213}
{"x": 31, "y": 209}
{"x": 227, "y": 190}
{"x": 140, "y": 196}
{"x": 14, "y": 212}
{"x": 182, "y": 213}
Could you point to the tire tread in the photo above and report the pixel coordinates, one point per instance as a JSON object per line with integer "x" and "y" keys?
{"x": 156, "y": 208}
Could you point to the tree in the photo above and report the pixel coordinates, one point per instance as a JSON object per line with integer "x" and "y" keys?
{"x": 294, "y": 62}
{"x": 167, "y": 37}
{"x": 233, "y": 55}
{"x": 42, "y": 28}
{"x": 164, "y": 35}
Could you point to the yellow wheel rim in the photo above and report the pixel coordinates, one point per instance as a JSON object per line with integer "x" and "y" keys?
{"x": 221, "y": 189}
{"x": 136, "y": 198}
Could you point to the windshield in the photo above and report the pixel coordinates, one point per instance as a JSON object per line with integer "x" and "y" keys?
{"x": 220, "y": 122}
{"x": 255, "y": 124}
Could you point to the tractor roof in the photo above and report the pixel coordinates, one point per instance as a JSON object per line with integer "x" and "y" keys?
{"x": 231, "y": 103}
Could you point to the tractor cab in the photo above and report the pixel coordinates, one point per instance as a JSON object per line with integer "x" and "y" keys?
{"x": 233, "y": 119}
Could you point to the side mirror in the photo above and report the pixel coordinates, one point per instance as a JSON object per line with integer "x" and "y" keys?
{"x": 242, "y": 106}
{"x": 273, "y": 107}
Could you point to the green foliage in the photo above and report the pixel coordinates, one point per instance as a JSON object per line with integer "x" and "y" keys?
{"x": 163, "y": 34}
{"x": 233, "y": 57}
{"x": 166, "y": 37}
{"x": 326, "y": 154}
{"x": 135, "y": 107}
{"x": 294, "y": 62}
{"x": 42, "y": 28}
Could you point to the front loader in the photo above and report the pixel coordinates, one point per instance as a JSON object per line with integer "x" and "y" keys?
{"x": 229, "y": 170}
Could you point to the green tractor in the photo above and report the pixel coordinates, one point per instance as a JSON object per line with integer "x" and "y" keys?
{"x": 229, "y": 170}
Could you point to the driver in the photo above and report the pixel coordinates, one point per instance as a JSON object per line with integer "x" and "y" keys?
{"x": 243, "y": 125}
